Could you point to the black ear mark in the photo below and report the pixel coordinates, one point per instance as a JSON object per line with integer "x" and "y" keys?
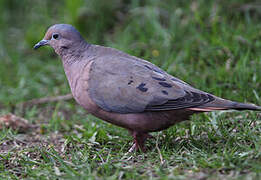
{"x": 64, "y": 47}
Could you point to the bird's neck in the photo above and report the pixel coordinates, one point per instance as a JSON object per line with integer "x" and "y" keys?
{"x": 73, "y": 54}
{"x": 74, "y": 60}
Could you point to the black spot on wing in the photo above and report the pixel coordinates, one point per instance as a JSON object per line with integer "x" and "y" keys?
{"x": 191, "y": 99}
{"x": 164, "y": 84}
{"x": 159, "y": 79}
{"x": 164, "y": 92}
{"x": 142, "y": 88}
{"x": 130, "y": 82}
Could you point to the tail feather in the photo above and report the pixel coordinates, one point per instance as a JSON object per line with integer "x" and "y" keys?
{"x": 243, "y": 106}
{"x": 223, "y": 104}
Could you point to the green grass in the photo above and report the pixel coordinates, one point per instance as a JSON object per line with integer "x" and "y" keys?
{"x": 213, "y": 45}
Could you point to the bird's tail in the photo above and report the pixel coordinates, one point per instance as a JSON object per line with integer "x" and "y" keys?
{"x": 223, "y": 104}
{"x": 243, "y": 106}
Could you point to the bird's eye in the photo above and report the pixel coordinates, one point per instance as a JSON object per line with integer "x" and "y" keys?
{"x": 55, "y": 36}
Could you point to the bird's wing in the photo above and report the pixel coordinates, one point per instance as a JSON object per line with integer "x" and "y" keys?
{"x": 126, "y": 84}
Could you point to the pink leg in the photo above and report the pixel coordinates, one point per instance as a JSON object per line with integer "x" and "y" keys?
{"x": 139, "y": 140}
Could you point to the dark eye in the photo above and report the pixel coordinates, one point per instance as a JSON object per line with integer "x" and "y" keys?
{"x": 55, "y": 36}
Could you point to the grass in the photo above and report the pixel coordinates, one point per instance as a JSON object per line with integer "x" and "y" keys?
{"x": 213, "y": 45}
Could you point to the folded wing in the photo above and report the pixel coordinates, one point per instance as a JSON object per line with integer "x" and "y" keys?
{"x": 126, "y": 84}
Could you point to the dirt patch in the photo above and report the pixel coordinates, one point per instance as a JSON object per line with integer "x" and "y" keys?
{"x": 15, "y": 150}
{"x": 32, "y": 140}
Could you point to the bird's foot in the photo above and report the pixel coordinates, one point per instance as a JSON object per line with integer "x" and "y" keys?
{"x": 139, "y": 140}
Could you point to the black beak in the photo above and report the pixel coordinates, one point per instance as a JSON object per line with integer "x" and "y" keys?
{"x": 41, "y": 43}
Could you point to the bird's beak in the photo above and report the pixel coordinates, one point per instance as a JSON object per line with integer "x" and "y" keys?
{"x": 41, "y": 43}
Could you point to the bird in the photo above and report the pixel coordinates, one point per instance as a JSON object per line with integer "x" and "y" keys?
{"x": 125, "y": 90}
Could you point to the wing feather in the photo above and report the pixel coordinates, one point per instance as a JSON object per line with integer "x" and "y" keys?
{"x": 124, "y": 84}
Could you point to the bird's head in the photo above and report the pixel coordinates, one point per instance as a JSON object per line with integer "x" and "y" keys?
{"x": 61, "y": 37}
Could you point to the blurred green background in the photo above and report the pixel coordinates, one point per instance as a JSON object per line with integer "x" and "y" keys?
{"x": 214, "y": 45}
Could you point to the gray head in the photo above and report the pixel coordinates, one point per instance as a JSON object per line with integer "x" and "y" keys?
{"x": 61, "y": 37}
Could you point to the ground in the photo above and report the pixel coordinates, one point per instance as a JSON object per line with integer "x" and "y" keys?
{"x": 212, "y": 45}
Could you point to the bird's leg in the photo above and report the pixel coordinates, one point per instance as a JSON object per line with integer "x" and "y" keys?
{"x": 139, "y": 140}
